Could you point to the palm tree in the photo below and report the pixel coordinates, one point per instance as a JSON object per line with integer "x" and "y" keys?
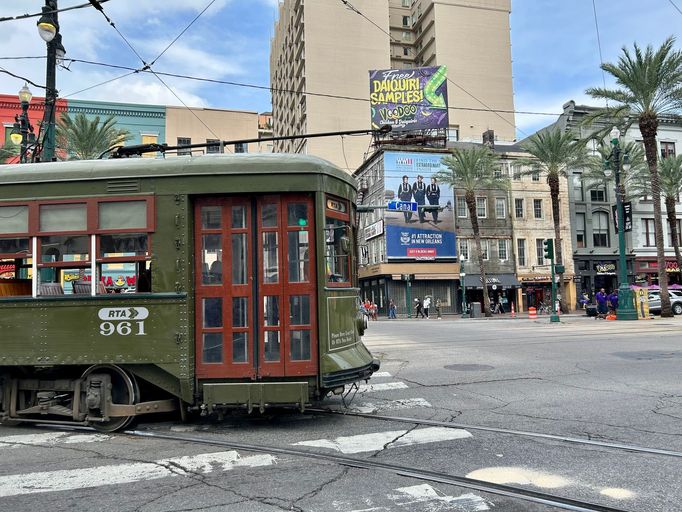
{"x": 553, "y": 153}
{"x": 84, "y": 139}
{"x": 471, "y": 171}
{"x": 649, "y": 85}
{"x": 7, "y": 151}
{"x": 633, "y": 184}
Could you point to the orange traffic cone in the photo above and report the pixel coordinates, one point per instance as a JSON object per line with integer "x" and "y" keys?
{"x": 513, "y": 313}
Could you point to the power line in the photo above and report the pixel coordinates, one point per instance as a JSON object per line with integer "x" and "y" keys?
{"x": 352, "y": 8}
{"x": 147, "y": 67}
{"x": 35, "y": 15}
{"x": 3, "y": 70}
{"x": 601, "y": 58}
{"x": 181, "y": 33}
{"x": 675, "y": 6}
{"x": 291, "y": 91}
{"x": 100, "y": 84}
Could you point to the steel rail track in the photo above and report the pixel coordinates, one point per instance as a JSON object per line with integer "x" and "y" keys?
{"x": 572, "y": 440}
{"x": 419, "y": 474}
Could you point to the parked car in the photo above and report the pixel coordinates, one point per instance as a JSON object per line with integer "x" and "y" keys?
{"x": 675, "y": 301}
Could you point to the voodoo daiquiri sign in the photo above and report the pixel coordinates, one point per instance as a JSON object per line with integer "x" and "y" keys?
{"x": 409, "y": 99}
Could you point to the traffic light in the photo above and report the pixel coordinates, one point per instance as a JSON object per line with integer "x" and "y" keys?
{"x": 548, "y": 246}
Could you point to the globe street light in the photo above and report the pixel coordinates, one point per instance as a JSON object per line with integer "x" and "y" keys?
{"x": 48, "y": 28}
{"x": 626, "y": 308}
{"x": 22, "y": 131}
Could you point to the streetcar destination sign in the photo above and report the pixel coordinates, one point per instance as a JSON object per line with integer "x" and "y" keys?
{"x": 402, "y": 206}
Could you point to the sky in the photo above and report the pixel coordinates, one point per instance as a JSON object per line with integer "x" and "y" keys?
{"x": 555, "y": 51}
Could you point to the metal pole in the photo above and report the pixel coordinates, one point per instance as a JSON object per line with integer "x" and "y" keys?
{"x": 464, "y": 298}
{"x": 553, "y": 316}
{"x": 48, "y": 152}
{"x": 626, "y": 307}
{"x": 408, "y": 297}
{"x": 23, "y": 128}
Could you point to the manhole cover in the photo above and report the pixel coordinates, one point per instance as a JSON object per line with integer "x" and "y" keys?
{"x": 648, "y": 355}
{"x": 469, "y": 367}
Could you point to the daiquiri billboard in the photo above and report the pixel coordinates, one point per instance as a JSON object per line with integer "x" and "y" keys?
{"x": 421, "y": 235}
{"x": 409, "y": 99}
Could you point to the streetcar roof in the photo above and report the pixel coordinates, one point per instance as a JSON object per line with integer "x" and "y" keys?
{"x": 239, "y": 164}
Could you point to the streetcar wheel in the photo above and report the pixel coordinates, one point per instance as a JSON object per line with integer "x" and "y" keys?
{"x": 124, "y": 390}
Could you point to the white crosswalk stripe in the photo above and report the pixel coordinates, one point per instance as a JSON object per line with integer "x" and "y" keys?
{"x": 71, "y": 479}
{"x": 382, "y": 386}
{"x": 425, "y": 494}
{"x": 388, "y": 405}
{"x": 376, "y": 441}
{"x": 50, "y": 438}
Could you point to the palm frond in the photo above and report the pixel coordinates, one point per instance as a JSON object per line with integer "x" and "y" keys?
{"x": 554, "y": 152}
{"x": 86, "y": 139}
{"x": 472, "y": 170}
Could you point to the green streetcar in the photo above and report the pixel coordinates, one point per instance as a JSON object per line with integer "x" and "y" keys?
{"x": 240, "y": 287}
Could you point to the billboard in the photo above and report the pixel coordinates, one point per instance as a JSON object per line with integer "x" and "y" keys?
{"x": 422, "y": 235}
{"x": 409, "y": 99}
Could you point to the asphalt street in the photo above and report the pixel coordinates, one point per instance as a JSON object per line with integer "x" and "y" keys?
{"x": 584, "y": 379}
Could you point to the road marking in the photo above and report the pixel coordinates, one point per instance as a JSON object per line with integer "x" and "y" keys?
{"x": 380, "y": 374}
{"x": 50, "y": 438}
{"x": 389, "y": 405}
{"x": 71, "y": 479}
{"x": 384, "y": 386}
{"x": 518, "y": 475}
{"x": 390, "y": 439}
{"x": 424, "y": 493}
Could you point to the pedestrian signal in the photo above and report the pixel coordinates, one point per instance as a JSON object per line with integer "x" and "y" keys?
{"x": 548, "y": 246}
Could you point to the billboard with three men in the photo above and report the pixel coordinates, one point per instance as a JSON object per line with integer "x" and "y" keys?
{"x": 424, "y": 234}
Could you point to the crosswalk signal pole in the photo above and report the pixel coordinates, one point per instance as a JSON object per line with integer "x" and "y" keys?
{"x": 548, "y": 246}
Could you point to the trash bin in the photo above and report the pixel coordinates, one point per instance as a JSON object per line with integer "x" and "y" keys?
{"x": 591, "y": 310}
{"x": 475, "y": 310}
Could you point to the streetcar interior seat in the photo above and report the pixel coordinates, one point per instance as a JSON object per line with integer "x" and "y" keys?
{"x": 83, "y": 288}
{"x": 51, "y": 289}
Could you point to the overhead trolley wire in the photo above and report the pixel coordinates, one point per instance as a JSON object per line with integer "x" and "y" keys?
{"x": 35, "y": 15}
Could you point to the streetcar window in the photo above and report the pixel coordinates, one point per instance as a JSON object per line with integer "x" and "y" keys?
{"x": 239, "y": 258}
{"x": 300, "y": 345}
{"x": 13, "y": 219}
{"x": 299, "y": 260}
{"x": 212, "y": 348}
{"x": 64, "y": 248}
{"x": 63, "y": 217}
{"x": 210, "y": 217}
{"x": 212, "y": 259}
{"x": 123, "y": 245}
{"x": 123, "y": 215}
{"x": 337, "y": 251}
{"x": 270, "y": 257}
{"x": 10, "y": 246}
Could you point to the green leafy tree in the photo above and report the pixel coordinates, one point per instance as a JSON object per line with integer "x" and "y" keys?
{"x": 84, "y": 139}
{"x": 554, "y": 153}
{"x": 649, "y": 85}
{"x": 473, "y": 171}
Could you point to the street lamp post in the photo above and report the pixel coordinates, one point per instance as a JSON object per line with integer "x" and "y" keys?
{"x": 462, "y": 275}
{"x": 48, "y": 28}
{"x": 626, "y": 308}
{"x": 22, "y": 131}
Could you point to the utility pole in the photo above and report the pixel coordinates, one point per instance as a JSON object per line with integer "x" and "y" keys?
{"x": 48, "y": 28}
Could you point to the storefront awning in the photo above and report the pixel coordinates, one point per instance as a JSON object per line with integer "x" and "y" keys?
{"x": 503, "y": 281}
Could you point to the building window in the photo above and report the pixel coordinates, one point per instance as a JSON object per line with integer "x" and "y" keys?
{"x": 500, "y": 207}
{"x": 540, "y": 250}
{"x": 537, "y": 208}
{"x": 670, "y": 233}
{"x": 464, "y": 249}
{"x": 406, "y": 51}
{"x": 406, "y": 3}
{"x": 453, "y": 134}
{"x": 516, "y": 172}
{"x": 481, "y": 207}
{"x": 600, "y": 229}
{"x": 462, "y": 210}
{"x": 578, "y": 187}
{"x": 406, "y": 21}
{"x": 216, "y": 146}
{"x": 521, "y": 251}
{"x": 598, "y": 195}
{"x": 184, "y": 141}
{"x": 502, "y": 251}
{"x": 241, "y": 147}
{"x": 667, "y": 149}
{"x": 485, "y": 249}
{"x": 580, "y": 230}
{"x": 518, "y": 208}
{"x": 649, "y": 237}
{"x": 535, "y": 176}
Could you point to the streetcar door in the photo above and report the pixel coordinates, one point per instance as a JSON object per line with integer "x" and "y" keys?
{"x": 255, "y": 287}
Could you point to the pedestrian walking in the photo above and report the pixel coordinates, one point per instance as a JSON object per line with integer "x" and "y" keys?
{"x": 438, "y": 309}
{"x": 418, "y": 308}
{"x": 373, "y": 310}
{"x": 613, "y": 300}
{"x": 391, "y": 309}
{"x": 427, "y": 305}
{"x": 602, "y": 307}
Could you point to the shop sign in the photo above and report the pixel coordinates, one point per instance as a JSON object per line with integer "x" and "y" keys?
{"x": 7, "y": 268}
{"x": 374, "y": 230}
{"x": 605, "y": 268}
{"x": 421, "y": 254}
{"x": 672, "y": 266}
{"x": 490, "y": 280}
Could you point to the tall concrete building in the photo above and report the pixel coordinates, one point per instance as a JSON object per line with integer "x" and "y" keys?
{"x": 322, "y": 46}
